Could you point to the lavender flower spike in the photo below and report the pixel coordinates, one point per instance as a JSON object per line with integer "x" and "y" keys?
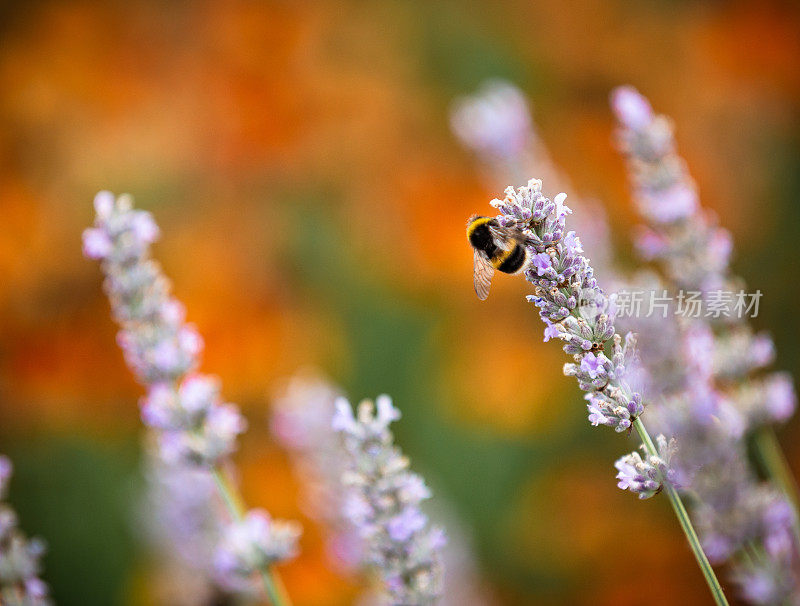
{"x": 570, "y": 299}
{"x": 383, "y": 503}
{"x": 301, "y": 419}
{"x": 20, "y": 584}
{"x": 694, "y": 254}
{"x": 185, "y": 410}
{"x": 646, "y": 475}
{"x": 735, "y": 511}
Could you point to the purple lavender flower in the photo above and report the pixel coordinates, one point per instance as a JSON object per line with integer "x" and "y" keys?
{"x": 646, "y": 475}
{"x": 594, "y": 365}
{"x": 254, "y": 543}
{"x": 770, "y": 399}
{"x": 551, "y": 331}
{"x": 571, "y": 298}
{"x": 496, "y": 122}
{"x": 159, "y": 347}
{"x": 20, "y": 584}
{"x": 766, "y": 578}
{"x": 384, "y": 498}
{"x": 193, "y": 426}
{"x": 573, "y": 244}
{"x": 738, "y": 353}
{"x": 541, "y": 262}
{"x": 632, "y": 109}
{"x": 577, "y": 311}
{"x": 96, "y": 244}
{"x": 761, "y": 585}
{"x": 714, "y": 399}
{"x": 409, "y": 521}
{"x": 6, "y": 469}
{"x": 781, "y": 400}
{"x": 692, "y": 250}
{"x": 302, "y": 420}
{"x": 613, "y": 410}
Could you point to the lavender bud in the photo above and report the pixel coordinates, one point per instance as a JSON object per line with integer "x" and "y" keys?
{"x": 645, "y": 476}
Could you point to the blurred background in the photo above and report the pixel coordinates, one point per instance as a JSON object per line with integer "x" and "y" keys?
{"x": 312, "y": 201}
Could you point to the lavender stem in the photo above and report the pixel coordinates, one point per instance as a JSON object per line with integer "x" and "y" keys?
{"x": 685, "y": 522}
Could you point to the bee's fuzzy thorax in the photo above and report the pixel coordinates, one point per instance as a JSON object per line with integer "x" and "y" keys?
{"x": 480, "y": 236}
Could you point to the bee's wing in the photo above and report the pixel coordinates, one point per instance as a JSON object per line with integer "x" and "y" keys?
{"x": 483, "y": 274}
{"x": 504, "y": 234}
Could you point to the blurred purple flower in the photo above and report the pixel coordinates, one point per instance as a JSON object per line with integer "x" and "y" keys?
{"x": 710, "y": 401}
{"x": 194, "y": 427}
{"x": 253, "y": 543}
{"x": 631, "y": 108}
{"x": 19, "y": 556}
{"x": 494, "y": 122}
{"x": 383, "y": 504}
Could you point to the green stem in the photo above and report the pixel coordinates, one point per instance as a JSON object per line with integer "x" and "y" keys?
{"x": 777, "y": 469}
{"x": 686, "y": 524}
{"x": 233, "y": 502}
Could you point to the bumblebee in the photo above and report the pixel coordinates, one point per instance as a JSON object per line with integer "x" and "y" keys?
{"x": 496, "y": 248}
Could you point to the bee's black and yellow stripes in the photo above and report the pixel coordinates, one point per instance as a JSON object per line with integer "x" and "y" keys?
{"x": 512, "y": 260}
{"x": 506, "y": 255}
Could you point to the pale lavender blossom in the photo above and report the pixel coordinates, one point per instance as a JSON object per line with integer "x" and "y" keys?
{"x": 606, "y": 365}
{"x": 680, "y": 363}
{"x": 738, "y": 352}
{"x": 96, "y": 244}
{"x": 729, "y": 504}
{"x": 193, "y": 426}
{"x": 302, "y": 420}
{"x": 646, "y": 475}
{"x": 495, "y": 122}
{"x": 631, "y": 108}
{"x": 613, "y": 410}
{"x": 551, "y": 331}
{"x": 383, "y": 503}
{"x": 761, "y": 584}
{"x": 575, "y": 310}
{"x": 163, "y": 351}
{"x": 768, "y": 399}
{"x": 694, "y": 252}
{"x": 594, "y": 365}
{"x": 254, "y": 543}
{"x": 182, "y": 510}
{"x": 20, "y": 556}
{"x": 6, "y": 469}
{"x": 542, "y": 264}
{"x": 715, "y": 400}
